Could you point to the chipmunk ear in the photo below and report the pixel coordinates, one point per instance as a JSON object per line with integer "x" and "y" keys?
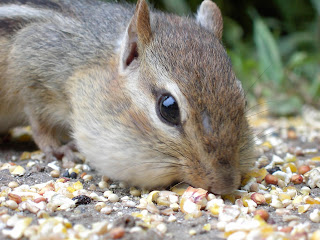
{"x": 209, "y": 16}
{"x": 138, "y": 34}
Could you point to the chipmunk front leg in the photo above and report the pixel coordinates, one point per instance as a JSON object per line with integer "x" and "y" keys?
{"x": 45, "y": 136}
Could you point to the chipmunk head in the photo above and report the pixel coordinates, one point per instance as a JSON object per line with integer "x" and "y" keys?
{"x": 178, "y": 111}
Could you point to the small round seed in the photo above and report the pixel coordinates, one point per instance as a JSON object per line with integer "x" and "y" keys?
{"x": 5, "y": 217}
{"x": 42, "y": 214}
{"x": 83, "y": 174}
{"x": 211, "y": 196}
{"x": 136, "y": 230}
{"x": 106, "y": 210}
{"x": 113, "y": 198}
{"x": 281, "y": 183}
{"x": 270, "y": 179}
{"x": 13, "y": 184}
{"x": 286, "y": 229}
{"x": 292, "y": 134}
{"x": 117, "y": 233}
{"x": 99, "y": 206}
{"x": 303, "y": 169}
{"x": 103, "y": 184}
{"x": 305, "y": 190}
{"x": 296, "y": 179}
{"x": 175, "y": 206}
{"x": 55, "y": 173}
{"x": 107, "y": 193}
{"x": 258, "y": 198}
{"x": 15, "y": 197}
{"x": 254, "y": 187}
{"x": 66, "y": 174}
{"x": 87, "y": 178}
{"x": 12, "y": 204}
{"x": 162, "y": 228}
{"x": 40, "y": 199}
{"x": 73, "y": 175}
{"x": 262, "y": 213}
{"x": 172, "y": 218}
{"x": 82, "y": 200}
{"x": 135, "y": 192}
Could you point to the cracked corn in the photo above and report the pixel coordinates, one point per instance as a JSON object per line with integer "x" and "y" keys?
{"x": 282, "y": 186}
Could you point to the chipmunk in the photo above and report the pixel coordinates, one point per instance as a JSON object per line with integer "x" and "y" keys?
{"x": 149, "y": 98}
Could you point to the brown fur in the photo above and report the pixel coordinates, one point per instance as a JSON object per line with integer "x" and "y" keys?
{"x": 94, "y": 71}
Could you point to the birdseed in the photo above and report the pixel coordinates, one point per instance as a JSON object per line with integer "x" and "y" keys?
{"x": 284, "y": 186}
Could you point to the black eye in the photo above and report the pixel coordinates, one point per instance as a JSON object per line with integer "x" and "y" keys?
{"x": 168, "y": 109}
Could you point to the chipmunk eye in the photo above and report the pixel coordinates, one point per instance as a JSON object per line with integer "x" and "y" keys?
{"x": 168, "y": 109}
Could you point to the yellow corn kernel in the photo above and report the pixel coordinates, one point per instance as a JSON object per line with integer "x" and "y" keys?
{"x": 292, "y": 167}
{"x": 207, "y": 227}
{"x": 25, "y": 156}
{"x": 284, "y": 196}
{"x": 71, "y": 189}
{"x": 317, "y": 158}
{"x": 297, "y": 200}
{"x": 267, "y": 144}
{"x": 78, "y": 185}
{"x": 215, "y": 209}
{"x": 315, "y": 235}
{"x": 303, "y": 208}
{"x": 311, "y": 200}
{"x": 244, "y": 200}
{"x": 229, "y": 197}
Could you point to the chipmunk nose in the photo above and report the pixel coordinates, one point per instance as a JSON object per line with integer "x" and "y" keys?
{"x": 226, "y": 184}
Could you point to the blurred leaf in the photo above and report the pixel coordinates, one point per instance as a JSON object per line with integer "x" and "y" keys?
{"x": 297, "y": 59}
{"x": 316, "y": 5}
{"x": 178, "y": 6}
{"x": 285, "y": 105}
{"x": 290, "y": 43}
{"x": 268, "y": 53}
{"x": 315, "y": 88}
{"x": 307, "y": 69}
{"x": 233, "y": 32}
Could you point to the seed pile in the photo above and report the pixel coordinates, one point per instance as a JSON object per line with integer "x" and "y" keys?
{"x": 273, "y": 199}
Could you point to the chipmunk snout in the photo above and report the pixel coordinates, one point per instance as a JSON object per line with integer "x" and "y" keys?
{"x": 226, "y": 184}
{"x": 217, "y": 178}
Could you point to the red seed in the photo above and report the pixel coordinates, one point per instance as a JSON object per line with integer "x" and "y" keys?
{"x": 83, "y": 174}
{"x": 296, "y": 179}
{"x": 262, "y": 213}
{"x": 49, "y": 187}
{"x": 15, "y": 197}
{"x": 258, "y": 198}
{"x": 270, "y": 179}
{"x": 117, "y": 233}
{"x": 303, "y": 169}
{"x": 286, "y": 229}
{"x": 40, "y": 199}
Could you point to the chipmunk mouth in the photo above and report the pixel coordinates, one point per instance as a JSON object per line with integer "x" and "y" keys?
{"x": 227, "y": 184}
{"x": 217, "y": 183}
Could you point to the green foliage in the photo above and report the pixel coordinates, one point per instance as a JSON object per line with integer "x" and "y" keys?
{"x": 282, "y": 64}
{"x": 268, "y": 53}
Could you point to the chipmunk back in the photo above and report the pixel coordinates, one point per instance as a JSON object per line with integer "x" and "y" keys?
{"x": 150, "y": 98}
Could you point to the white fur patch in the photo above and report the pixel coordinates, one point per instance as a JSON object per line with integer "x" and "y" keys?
{"x": 125, "y": 164}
